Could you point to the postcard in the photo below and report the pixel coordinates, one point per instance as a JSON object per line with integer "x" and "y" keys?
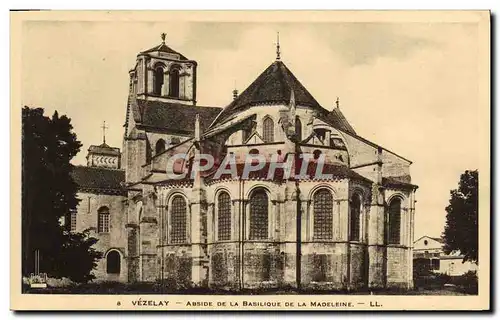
{"x": 250, "y": 160}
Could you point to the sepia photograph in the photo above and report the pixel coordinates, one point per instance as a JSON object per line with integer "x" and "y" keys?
{"x": 191, "y": 160}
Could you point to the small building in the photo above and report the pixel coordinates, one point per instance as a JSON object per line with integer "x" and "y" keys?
{"x": 428, "y": 254}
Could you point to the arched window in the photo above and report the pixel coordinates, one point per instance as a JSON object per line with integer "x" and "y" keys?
{"x": 224, "y": 216}
{"x": 394, "y": 223}
{"x": 103, "y": 219}
{"x": 113, "y": 262}
{"x": 259, "y": 207}
{"x": 174, "y": 83}
{"x": 268, "y": 130}
{"x": 158, "y": 80}
{"x": 178, "y": 220}
{"x": 323, "y": 215}
{"x": 298, "y": 129}
{"x": 355, "y": 216}
{"x": 160, "y": 146}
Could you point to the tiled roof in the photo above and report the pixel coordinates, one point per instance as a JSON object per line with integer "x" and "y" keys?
{"x": 398, "y": 182}
{"x": 337, "y": 120}
{"x": 164, "y": 48}
{"x": 175, "y": 116}
{"x": 103, "y": 180}
{"x": 104, "y": 149}
{"x": 337, "y": 171}
{"x": 437, "y": 239}
{"x": 272, "y": 87}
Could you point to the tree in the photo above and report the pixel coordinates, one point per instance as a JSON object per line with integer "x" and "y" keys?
{"x": 461, "y": 230}
{"x": 49, "y": 193}
{"x": 77, "y": 256}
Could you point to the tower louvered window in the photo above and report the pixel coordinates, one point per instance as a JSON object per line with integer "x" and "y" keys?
{"x": 174, "y": 83}
{"x": 323, "y": 215}
{"x": 158, "y": 81}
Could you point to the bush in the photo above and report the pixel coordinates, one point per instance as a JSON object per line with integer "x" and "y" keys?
{"x": 442, "y": 279}
{"x": 468, "y": 282}
{"x": 431, "y": 280}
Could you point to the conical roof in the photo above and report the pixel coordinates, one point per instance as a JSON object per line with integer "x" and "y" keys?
{"x": 272, "y": 87}
{"x": 338, "y": 120}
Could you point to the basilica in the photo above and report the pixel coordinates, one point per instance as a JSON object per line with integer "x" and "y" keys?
{"x": 351, "y": 228}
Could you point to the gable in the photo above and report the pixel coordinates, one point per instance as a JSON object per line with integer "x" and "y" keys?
{"x": 428, "y": 243}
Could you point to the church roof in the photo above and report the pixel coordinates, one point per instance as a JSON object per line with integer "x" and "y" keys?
{"x": 104, "y": 149}
{"x": 272, "y": 87}
{"x": 164, "y": 48}
{"x": 175, "y": 117}
{"x": 96, "y": 179}
{"x": 398, "y": 182}
{"x": 337, "y": 119}
{"x": 336, "y": 170}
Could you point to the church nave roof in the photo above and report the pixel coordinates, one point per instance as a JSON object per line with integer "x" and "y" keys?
{"x": 273, "y": 87}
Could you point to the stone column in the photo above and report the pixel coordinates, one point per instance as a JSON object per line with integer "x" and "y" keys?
{"x": 342, "y": 228}
{"x": 292, "y": 250}
{"x": 411, "y": 238}
{"x": 236, "y": 237}
{"x": 376, "y": 234}
{"x": 165, "y": 88}
{"x": 198, "y": 237}
{"x": 149, "y": 78}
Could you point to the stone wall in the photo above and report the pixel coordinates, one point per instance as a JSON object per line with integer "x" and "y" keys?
{"x": 324, "y": 266}
{"x": 115, "y": 239}
{"x": 176, "y": 265}
{"x": 358, "y": 266}
{"x": 397, "y": 267}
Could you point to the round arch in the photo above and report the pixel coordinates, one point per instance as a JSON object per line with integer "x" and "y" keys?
{"x": 113, "y": 261}
{"x": 255, "y": 188}
{"x": 319, "y": 187}
{"x": 175, "y": 192}
{"x": 397, "y": 195}
{"x": 219, "y": 190}
{"x": 160, "y": 64}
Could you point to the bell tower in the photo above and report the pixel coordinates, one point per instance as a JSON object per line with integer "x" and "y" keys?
{"x": 164, "y": 74}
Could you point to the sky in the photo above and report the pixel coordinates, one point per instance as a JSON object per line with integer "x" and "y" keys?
{"x": 410, "y": 87}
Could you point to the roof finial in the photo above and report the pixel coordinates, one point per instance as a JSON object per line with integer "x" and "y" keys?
{"x": 163, "y": 35}
{"x": 278, "y": 52}
{"x": 104, "y": 127}
{"x": 337, "y": 102}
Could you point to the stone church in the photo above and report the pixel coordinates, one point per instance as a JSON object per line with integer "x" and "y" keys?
{"x": 350, "y": 230}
